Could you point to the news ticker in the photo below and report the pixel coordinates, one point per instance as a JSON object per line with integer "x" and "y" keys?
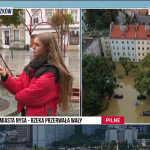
{"x": 62, "y": 120}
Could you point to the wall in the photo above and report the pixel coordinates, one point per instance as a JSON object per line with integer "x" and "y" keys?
{"x": 119, "y": 45}
{"x": 139, "y": 44}
{"x": 106, "y": 47}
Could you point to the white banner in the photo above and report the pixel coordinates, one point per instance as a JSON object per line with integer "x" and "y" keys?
{"x": 50, "y": 120}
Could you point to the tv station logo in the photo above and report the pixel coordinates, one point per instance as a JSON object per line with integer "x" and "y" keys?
{"x": 6, "y": 11}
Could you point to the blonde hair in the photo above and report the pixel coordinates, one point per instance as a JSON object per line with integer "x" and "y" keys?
{"x": 65, "y": 77}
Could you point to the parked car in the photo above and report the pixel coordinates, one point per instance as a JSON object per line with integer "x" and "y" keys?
{"x": 145, "y": 113}
{"x": 118, "y": 96}
{"x": 141, "y": 97}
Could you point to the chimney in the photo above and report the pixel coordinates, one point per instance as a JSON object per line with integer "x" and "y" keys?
{"x": 126, "y": 29}
{"x": 136, "y": 27}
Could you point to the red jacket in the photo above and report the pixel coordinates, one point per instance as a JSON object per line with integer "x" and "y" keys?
{"x": 36, "y": 88}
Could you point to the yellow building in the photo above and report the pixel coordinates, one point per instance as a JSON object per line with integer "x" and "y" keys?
{"x": 142, "y": 41}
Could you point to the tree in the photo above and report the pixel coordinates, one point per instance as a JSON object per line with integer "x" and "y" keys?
{"x": 50, "y": 148}
{"x": 14, "y": 19}
{"x": 125, "y": 62}
{"x": 92, "y": 15}
{"x": 107, "y": 17}
{"x": 146, "y": 61}
{"x": 61, "y": 18}
{"x": 142, "y": 80}
{"x": 114, "y": 66}
{"x": 98, "y": 24}
{"x": 98, "y": 82}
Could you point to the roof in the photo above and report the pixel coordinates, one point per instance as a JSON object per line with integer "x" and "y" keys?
{"x": 117, "y": 33}
{"x": 87, "y": 42}
{"x": 143, "y": 19}
{"x": 142, "y": 33}
{"x": 143, "y": 12}
{"x": 106, "y": 34}
{"x": 134, "y": 32}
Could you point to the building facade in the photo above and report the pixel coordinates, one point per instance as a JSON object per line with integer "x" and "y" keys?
{"x": 121, "y": 135}
{"x": 74, "y": 30}
{"x": 89, "y": 129}
{"x": 122, "y": 42}
{"x": 142, "y": 41}
{"x": 12, "y": 37}
{"x": 44, "y": 136}
{"x": 105, "y": 44}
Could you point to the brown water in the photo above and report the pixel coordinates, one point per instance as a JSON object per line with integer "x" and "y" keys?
{"x": 126, "y": 107}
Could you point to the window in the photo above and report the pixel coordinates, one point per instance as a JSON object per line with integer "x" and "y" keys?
{"x": 147, "y": 42}
{"x": 114, "y": 53}
{"x": 35, "y": 19}
{"x": 16, "y": 35}
{"x": 113, "y": 47}
{"x": 106, "y": 42}
{"x": 122, "y": 42}
{"x": 124, "y": 54}
{"x": 133, "y": 54}
{"x": 118, "y": 54}
{"x": 116, "y": 42}
{"x": 128, "y": 54}
{"x": 132, "y": 48}
{"x": 74, "y": 15}
{"x": 139, "y": 59}
{"x": 143, "y": 54}
{"x": 117, "y": 47}
{"x": 138, "y": 42}
{"x": 112, "y": 41}
{"x": 133, "y": 59}
{"x": 128, "y": 47}
{"x": 123, "y": 47}
{"x": 132, "y": 42}
{"x": 105, "y": 38}
{"x": 143, "y": 42}
{"x": 139, "y": 54}
{"x": 127, "y": 42}
{"x": 147, "y": 48}
{"x": 138, "y": 48}
{"x": 143, "y": 48}
{"x": 47, "y": 16}
{"x": 106, "y": 46}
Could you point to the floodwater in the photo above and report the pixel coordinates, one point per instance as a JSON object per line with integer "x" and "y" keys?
{"x": 126, "y": 107}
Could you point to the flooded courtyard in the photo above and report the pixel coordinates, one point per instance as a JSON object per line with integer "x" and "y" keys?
{"x": 126, "y": 106}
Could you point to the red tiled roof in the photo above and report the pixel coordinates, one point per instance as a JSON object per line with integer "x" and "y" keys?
{"x": 141, "y": 33}
{"x": 116, "y": 33}
{"x": 143, "y": 12}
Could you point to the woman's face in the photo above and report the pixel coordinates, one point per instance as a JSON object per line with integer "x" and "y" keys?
{"x": 38, "y": 48}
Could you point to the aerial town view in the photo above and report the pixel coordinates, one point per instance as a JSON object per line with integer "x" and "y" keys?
{"x": 75, "y": 137}
{"x": 115, "y": 63}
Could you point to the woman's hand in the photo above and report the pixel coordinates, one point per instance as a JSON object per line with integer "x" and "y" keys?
{"x": 2, "y": 71}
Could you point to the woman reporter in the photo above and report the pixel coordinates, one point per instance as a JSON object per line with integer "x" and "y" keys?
{"x": 44, "y": 83}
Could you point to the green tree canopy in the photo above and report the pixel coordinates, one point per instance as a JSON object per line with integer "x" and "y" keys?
{"x": 60, "y": 18}
{"x": 14, "y": 19}
{"x": 125, "y": 62}
{"x": 98, "y": 24}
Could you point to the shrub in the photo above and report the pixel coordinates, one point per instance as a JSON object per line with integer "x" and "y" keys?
{"x": 120, "y": 76}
